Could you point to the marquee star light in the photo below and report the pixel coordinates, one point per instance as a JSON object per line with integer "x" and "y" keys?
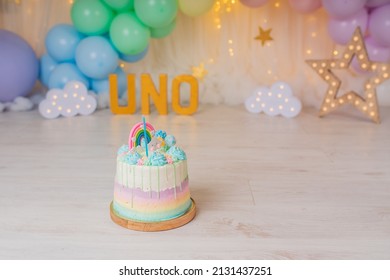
{"x": 264, "y": 35}
{"x": 368, "y": 103}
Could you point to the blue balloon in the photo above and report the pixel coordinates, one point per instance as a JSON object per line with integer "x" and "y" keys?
{"x": 100, "y": 86}
{"x": 134, "y": 57}
{"x": 96, "y": 58}
{"x": 47, "y": 66}
{"x": 61, "y": 42}
{"x": 64, "y": 73}
{"x": 19, "y": 66}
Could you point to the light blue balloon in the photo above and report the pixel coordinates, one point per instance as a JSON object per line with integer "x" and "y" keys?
{"x": 132, "y": 58}
{"x": 47, "y": 65}
{"x": 61, "y": 42}
{"x": 102, "y": 86}
{"x": 66, "y": 72}
{"x": 96, "y": 58}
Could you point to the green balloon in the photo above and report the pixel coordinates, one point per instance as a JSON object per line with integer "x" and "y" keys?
{"x": 156, "y": 13}
{"x": 91, "y": 17}
{"x": 128, "y": 34}
{"x": 163, "y": 31}
{"x": 120, "y": 5}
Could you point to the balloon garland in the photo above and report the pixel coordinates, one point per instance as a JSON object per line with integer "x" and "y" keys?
{"x": 103, "y": 33}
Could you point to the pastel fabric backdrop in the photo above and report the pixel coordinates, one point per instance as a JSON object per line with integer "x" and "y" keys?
{"x": 223, "y": 41}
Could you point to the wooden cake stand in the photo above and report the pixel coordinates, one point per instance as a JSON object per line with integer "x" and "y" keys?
{"x": 155, "y": 226}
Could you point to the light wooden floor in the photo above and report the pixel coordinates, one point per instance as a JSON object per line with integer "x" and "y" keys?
{"x": 266, "y": 188}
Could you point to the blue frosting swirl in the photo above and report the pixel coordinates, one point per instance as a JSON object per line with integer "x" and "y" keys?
{"x": 123, "y": 149}
{"x": 176, "y": 153}
{"x": 157, "y": 159}
{"x": 132, "y": 158}
{"x": 160, "y": 133}
{"x": 170, "y": 140}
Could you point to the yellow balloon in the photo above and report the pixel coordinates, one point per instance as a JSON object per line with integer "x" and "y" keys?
{"x": 195, "y": 8}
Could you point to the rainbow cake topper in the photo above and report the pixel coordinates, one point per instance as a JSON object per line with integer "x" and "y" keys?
{"x": 140, "y": 131}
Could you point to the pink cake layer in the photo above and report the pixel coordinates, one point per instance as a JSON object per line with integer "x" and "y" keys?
{"x": 137, "y": 204}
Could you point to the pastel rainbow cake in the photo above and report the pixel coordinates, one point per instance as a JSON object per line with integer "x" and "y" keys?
{"x": 151, "y": 181}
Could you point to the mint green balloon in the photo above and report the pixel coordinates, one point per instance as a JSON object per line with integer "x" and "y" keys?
{"x": 156, "y": 13}
{"x": 128, "y": 34}
{"x": 163, "y": 31}
{"x": 120, "y": 5}
{"x": 91, "y": 17}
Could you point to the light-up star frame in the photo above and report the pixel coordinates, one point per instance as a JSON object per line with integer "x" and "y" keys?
{"x": 368, "y": 103}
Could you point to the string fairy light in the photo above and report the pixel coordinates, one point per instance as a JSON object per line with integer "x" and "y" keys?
{"x": 222, "y": 7}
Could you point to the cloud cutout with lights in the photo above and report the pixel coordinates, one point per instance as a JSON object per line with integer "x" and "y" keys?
{"x": 277, "y": 100}
{"x": 68, "y": 102}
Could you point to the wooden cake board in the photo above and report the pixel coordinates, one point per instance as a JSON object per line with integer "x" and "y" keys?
{"x": 155, "y": 226}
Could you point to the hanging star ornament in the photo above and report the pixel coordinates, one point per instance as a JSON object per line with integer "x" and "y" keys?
{"x": 199, "y": 72}
{"x": 264, "y": 35}
{"x": 368, "y": 103}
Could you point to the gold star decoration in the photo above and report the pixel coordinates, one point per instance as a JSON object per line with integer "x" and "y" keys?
{"x": 367, "y": 104}
{"x": 199, "y": 72}
{"x": 264, "y": 35}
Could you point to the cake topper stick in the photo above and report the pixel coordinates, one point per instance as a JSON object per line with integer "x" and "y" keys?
{"x": 145, "y": 139}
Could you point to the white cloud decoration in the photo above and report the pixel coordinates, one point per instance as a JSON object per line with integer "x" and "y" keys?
{"x": 277, "y": 100}
{"x": 68, "y": 102}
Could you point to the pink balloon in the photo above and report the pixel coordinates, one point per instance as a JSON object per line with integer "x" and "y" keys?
{"x": 254, "y": 3}
{"x": 379, "y": 25}
{"x": 305, "y": 6}
{"x": 341, "y": 9}
{"x": 375, "y": 53}
{"x": 376, "y": 3}
{"x": 341, "y": 30}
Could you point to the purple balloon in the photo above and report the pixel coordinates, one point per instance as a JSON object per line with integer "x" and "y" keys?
{"x": 379, "y": 25}
{"x": 341, "y": 30}
{"x": 377, "y": 53}
{"x": 341, "y": 9}
{"x": 19, "y": 66}
{"x": 254, "y": 3}
{"x": 376, "y": 3}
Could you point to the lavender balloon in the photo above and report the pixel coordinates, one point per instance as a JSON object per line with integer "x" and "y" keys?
{"x": 376, "y": 3}
{"x": 342, "y": 9}
{"x": 379, "y": 25}
{"x": 305, "y": 6}
{"x": 375, "y": 52}
{"x": 19, "y": 66}
{"x": 341, "y": 30}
